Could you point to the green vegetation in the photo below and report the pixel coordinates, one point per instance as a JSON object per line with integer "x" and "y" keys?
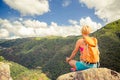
{"x": 19, "y": 72}
{"x": 16, "y": 69}
{"x": 49, "y": 53}
{"x": 32, "y": 75}
{"x": 109, "y": 43}
{"x": 1, "y": 58}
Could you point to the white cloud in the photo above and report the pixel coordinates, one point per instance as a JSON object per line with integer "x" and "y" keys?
{"x": 73, "y": 22}
{"x": 17, "y": 28}
{"x": 35, "y": 24}
{"x": 56, "y": 30}
{"x": 107, "y": 10}
{"x": 29, "y": 32}
{"x": 34, "y": 28}
{"x": 29, "y": 7}
{"x": 66, "y": 3}
{"x": 3, "y": 33}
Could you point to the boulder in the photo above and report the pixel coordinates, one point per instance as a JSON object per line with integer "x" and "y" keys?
{"x": 5, "y": 71}
{"x": 91, "y": 74}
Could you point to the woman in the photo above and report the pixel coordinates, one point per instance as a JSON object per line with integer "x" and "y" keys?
{"x": 89, "y": 53}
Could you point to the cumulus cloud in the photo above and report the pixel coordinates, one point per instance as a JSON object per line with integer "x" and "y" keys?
{"x": 66, "y": 3}
{"x": 34, "y": 28}
{"x": 3, "y": 33}
{"x": 73, "y": 22}
{"x": 29, "y": 7}
{"x": 107, "y": 10}
{"x": 56, "y": 30}
{"x": 35, "y": 24}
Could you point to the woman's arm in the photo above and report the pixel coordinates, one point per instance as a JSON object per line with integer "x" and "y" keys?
{"x": 74, "y": 51}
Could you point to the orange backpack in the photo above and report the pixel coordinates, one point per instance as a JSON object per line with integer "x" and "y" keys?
{"x": 93, "y": 52}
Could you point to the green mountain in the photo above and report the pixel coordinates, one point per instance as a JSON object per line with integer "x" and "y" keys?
{"x": 109, "y": 43}
{"x": 49, "y": 53}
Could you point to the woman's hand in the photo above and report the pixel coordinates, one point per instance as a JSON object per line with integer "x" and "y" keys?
{"x": 67, "y": 59}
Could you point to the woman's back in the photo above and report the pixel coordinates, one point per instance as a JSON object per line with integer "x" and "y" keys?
{"x": 88, "y": 49}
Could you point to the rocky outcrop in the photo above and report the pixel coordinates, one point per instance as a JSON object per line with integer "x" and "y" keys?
{"x": 5, "y": 71}
{"x": 91, "y": 74}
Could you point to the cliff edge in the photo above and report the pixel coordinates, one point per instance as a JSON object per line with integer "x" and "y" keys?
{"x": 5, "y": 71}
{"x": 91, "y": 74}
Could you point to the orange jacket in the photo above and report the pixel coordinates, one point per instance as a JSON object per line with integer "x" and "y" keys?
{"x": 81, "y": 45}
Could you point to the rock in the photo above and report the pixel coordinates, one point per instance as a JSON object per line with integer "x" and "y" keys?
{"x": 5, "y": 71}
{"x": 91, "y": 74}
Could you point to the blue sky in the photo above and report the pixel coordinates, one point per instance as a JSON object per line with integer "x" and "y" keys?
{"x": 54, "y": 17}
{"x": 58, "y": 13}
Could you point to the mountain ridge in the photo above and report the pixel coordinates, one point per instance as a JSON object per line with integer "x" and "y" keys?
{"x": 50, "y": 52}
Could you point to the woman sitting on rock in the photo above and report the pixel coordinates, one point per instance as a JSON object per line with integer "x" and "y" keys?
{"x": 89, "y": 53}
